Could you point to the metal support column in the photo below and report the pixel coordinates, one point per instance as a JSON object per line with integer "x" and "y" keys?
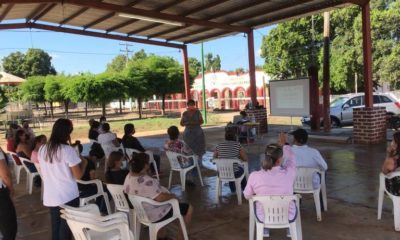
{"x": 252, "y": 67}
{"x": 186, "y": 72}
{"x": 367, "y": 54}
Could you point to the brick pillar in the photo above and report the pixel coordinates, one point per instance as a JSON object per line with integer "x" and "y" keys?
{"x": 260, "y": 116}
{"x": 369, "y": 125}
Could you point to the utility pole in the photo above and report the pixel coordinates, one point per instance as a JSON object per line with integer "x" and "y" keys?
{"x": 126, "y": 51}
{"x": 326, "y": 74}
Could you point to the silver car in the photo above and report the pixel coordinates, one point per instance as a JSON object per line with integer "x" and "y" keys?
{"x": 342, "y": 107}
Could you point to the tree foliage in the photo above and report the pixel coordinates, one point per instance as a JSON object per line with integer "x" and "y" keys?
{"x": 118, "y": 64}
{"x": 288, "y": 49}
{"x": 33, "y": 89}
{"x": 212, "y": 63}
{"x": 35, "y": 62}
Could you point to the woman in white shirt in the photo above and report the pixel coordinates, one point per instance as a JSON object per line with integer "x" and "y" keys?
{"x": 8, "y": 217}
{"x": 60, "y": 166}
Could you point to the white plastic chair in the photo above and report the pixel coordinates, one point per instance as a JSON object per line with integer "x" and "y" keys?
{"x": 226, "y": 174}
{"x": 304, "y": 184}
{"x": 130, "y": 151}
{"x": 395, "y": 199}
{"x": 87, "y": 223}
{"x": 100, "y": 192}
{"x": 276, "y": 215}
{"x": 141, "y": 214}
{"x": 121, "y": 204}
{"x": 18, "y": 166}
{"x": 175, "y": 166}
{"x": 29, "y": 175}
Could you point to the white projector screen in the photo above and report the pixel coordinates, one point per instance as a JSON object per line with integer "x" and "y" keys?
{"x": 289, "y": 97}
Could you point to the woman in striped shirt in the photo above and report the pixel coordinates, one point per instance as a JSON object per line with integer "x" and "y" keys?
{"x": 230, "y": 149}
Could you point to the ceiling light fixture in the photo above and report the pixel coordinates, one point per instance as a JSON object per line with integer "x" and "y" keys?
{"x": 150, "y": 19}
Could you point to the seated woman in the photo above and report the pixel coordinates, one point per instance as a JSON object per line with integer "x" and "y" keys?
{"x": 114, "y": 173}
{"x": 10, "y": 136}
{"x": 107, "y": 137}
{"x": 22, "y": 147}
{"x": 138, "y": 182}
{"x": 129, "y": 141}
{"x": 273, "y": 178}
{"x": 392, "y": 163}
{"x": 178, "y": 146}
{"x": 94, "y": 130}
{"x": 38, "y": 142}
{"x": 232, "y": 150}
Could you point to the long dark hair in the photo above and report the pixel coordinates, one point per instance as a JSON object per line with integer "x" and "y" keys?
{"x": 396, "y": 139}
{"x": 18, "y": 137}
{"x": 138, "y": 162}
{"x": 60, "y": 134}
{"x": 273, "y": 152}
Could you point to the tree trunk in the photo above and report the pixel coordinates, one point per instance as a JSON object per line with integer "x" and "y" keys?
{"x": 163, "y": 104}
{"x": 140, "y": 107}
{"x": 86, "y": 109}
{"x": 66, "y": 108}
{"x": 120, "y": 106}
{"x": 37, "y": 106}
{"x": 51, "y": 110}
{"x": 45, "y": 108}
{"x": 103, "y": 106}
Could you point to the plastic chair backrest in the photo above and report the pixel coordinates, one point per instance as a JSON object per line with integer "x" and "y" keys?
{"x": 89, "y": 210}
{"x": 173, "y": 159}
{"x": 15, "y": 158}
{"x": 137, "y": 203}
{"x": 130, "y": 151}
{"x": 304, "y": 179}
{"x": 28, "y": 165}
{"x": 108, "y": 149}
{"x": 78, "y": 228}
{"x": 225, "y": 168}
{"x": 117, "y": 193}
{"x": 236, "y": 119}
{"x": 382, "y": 178}
{"x": 276, "y": 208}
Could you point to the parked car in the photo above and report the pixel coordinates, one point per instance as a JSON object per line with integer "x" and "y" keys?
{"x": 341, "y": 108}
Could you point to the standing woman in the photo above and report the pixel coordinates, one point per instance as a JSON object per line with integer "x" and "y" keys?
{"x": 193, "y": 134}
{"x": 8, "y": 217}
{"x": 61, "y": 167}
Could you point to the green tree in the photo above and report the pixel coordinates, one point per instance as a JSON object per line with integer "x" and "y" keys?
{"x": 33, "y": 90}
{"x": 14, "y": 64}
{"x": 194, "y": 66}
{"x": 53, "y": 91}
{"x": 212, "y": 63}
{"x": 139, "y": 55}
{"x": 240, "y": 70}
{"x": 165, "y": 76}
{"x": 79, "y": 89}
{"x": 118, "y": 64}
{"x": 105, "y": 88}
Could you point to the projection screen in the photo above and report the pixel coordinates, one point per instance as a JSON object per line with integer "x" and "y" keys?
{"x": 290, "y": 97}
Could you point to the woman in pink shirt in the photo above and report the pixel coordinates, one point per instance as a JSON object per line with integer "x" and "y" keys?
{"x": 276, "y": 176}
{"x": 39, "y": 141}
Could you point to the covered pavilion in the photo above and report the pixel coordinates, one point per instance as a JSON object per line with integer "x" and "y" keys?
{"x": 176, "y": 23}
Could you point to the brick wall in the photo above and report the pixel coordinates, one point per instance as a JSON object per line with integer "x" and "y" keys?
{"x": 369, "y": 125}
{"x": 260, "y": 116}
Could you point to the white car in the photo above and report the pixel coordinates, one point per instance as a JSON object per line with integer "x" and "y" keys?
{"x": 342, "y": 107}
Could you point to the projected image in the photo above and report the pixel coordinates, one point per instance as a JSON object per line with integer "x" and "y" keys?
{"x": 289, "y": 96}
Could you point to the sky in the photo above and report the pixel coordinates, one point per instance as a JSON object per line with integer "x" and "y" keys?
{"x": 73, "y": 54}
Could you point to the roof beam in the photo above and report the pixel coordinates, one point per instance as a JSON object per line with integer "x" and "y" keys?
{"x": 99, "y": 20}
{"x": 236, "y": 8}
{"x": 200, "y": 39}
{"x": 44, "y": 12}
{"x": 36, "y": 11}
{"x": 194, "y": 10}
{"x": 89, "y": 33}
{"x": 145, "y": 28}
{"x": 358, "y": 2}
{"x": 74, "y": 15}
{"x": 6, "y": 11}
{"x": 141, "y": 12}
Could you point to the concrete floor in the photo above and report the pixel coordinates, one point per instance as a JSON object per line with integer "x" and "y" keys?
{"x": 352, "y": 186}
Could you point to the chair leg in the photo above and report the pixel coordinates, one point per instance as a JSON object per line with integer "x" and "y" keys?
{"x": 30, "y": 184}
{"x": 199, "y": 172}
{"x": 183, "y": 227}
{"x": 170, "y": 179}
{"x": 155, "y": 169}
{"x": 324, "y": 197}
{"x": 298, "y": 222}
{"x": 183, "y": 180}
{"x": 252, "y": 222}
{"x": 136, "y": 226}
{"x": 18, "y": 173}
{"x": 396, "y": 213}
{"x": 238, "y": 192}
{"x": 317, "y": 205}
{"x": 260, "y": 231}
{"x": 380, "y": 197}
{"x": 153, "y": 233}
{"x": 293, "y": 230}
{"x": 217, "y": 190}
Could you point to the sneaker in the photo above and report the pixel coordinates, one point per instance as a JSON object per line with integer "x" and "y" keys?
{"x": 266, "y": 232}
